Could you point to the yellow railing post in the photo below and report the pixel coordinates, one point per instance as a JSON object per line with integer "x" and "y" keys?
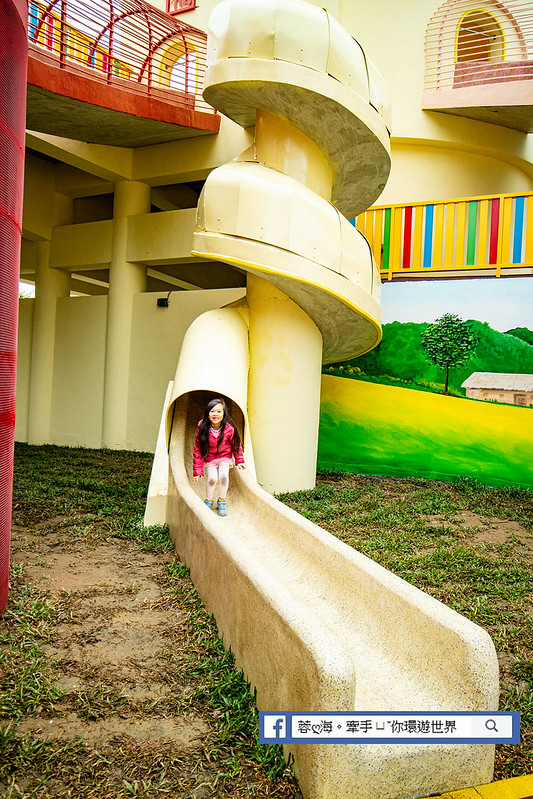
{"x": 377, "y": 239}
{"x": 504, "y": 233}
{"x": 483, "y": 232}
{"x": 396, "y": 240}
{"x": 460, "y": 234}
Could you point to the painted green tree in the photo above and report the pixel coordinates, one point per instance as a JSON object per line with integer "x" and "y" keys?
{"x": 448, "y": 341}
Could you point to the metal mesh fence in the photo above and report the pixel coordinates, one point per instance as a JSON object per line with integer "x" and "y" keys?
{"x": 13, "y": 65}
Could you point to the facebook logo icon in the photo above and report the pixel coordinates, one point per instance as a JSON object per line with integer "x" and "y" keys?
{"x": 273, "y": 728}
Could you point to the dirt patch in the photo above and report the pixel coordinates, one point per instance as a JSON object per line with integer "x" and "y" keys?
{"x": 491, "y": 530}
{"x": 113, "y": 637}
{"x": 183, "y": 733}
{"x": 60, "y": 565}
{"x": 483, "y": 530}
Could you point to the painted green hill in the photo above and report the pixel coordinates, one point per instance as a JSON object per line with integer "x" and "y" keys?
{"x": 521, "y": 332}
{"x": 400, "y": 356}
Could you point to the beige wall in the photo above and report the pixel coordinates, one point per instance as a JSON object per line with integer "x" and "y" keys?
{"x": 23, "y": 367}
{"x": 430, "y": 172}
{"x": 497, "y": 395}
{"x": 79, "y": 359}
{"x": 81, "y": 246}
{"x": 77, "y": 393}
{"x": 157, "y": 334}
{"x": 39, "y": 181}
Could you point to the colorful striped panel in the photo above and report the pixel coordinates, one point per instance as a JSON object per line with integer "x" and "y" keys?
{"x": 460, "y": 234}
{"x": 49, "y": 31}
{"x": 439, "y": 235}
{"x": 407, "y": 237}
{"x": 386, "y": 238}
{"x": 518, "y": 230}
{"x": 416, "y": 259}
{"x": 448, "y": 232}
{"x": 528, "y": 255}
{"x": 506, "y": 216}
{"x": 377, "y": 239}
{"x": 491, "y": 231}
{"x": 428, "y": 236}
{"x": 471, "y": 239}
{"x": 494, "y": 225}
{"x": 396, "y": 238}
{"x": 483, "y": 232}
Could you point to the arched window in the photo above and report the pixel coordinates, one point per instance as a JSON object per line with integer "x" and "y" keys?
{"x": 179, "y": 67}
{"x": 479, "y": 38}
{"x": 469, "y": 43}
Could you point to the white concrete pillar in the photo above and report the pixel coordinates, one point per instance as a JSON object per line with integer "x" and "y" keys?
{"x": 125, "y": 280}
{"x": 283, "y": 388}
{"x": 50, "y": 284}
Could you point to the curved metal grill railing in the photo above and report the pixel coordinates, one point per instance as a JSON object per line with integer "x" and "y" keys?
{"x": 478, "y": 44}
{"x": 125, "y": 43}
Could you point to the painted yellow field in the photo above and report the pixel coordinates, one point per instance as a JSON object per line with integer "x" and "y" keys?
{"x": 369, "y": 428}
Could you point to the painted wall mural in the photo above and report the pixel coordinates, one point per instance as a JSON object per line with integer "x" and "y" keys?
{"x": 449, "y": 391}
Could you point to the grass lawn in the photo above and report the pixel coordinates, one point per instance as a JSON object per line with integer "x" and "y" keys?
{"x": 105, "y": 641}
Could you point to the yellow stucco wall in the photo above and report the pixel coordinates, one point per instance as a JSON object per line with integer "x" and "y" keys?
{"x": 157, "y": 334}
{"x": 166, "y": 236}
{"x": 79, "y": 356}
{"x": 23, "y": 367}
{"x": 78, "y": 382}
{"x": 81, "y": 246}
{"x": 438, "y": 171}
{"x": 38, "y": 198}
{"x": 189, "y": 159}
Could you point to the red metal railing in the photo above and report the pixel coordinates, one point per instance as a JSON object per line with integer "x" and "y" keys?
{"x": 128, "y": 44}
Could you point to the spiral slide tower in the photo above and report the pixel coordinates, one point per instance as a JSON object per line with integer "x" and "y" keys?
{"x": 314, "y": 624}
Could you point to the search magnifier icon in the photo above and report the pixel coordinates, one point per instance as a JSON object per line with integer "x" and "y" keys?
{"x": 490, "y": 724}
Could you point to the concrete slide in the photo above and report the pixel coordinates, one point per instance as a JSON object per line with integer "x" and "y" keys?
{"x": 314, "y": 624}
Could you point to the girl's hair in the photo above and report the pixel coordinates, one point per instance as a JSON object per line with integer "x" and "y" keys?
{"x": 205, "y": 424}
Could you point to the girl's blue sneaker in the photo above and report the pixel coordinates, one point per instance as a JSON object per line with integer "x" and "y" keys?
{"x": 221, "y": 507}
{"x": 208, "y": 502}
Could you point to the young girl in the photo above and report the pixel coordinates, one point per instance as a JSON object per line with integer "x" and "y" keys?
{"x": 217, "y": 440}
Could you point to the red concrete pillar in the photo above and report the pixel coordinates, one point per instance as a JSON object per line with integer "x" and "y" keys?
{"x": 13, "y": 68}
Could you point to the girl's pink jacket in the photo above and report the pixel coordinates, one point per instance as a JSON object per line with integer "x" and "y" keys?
{"x": 226, "y": 449}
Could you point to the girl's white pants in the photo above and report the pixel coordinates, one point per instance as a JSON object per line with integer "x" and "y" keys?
{"x": 218, "y": 474}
